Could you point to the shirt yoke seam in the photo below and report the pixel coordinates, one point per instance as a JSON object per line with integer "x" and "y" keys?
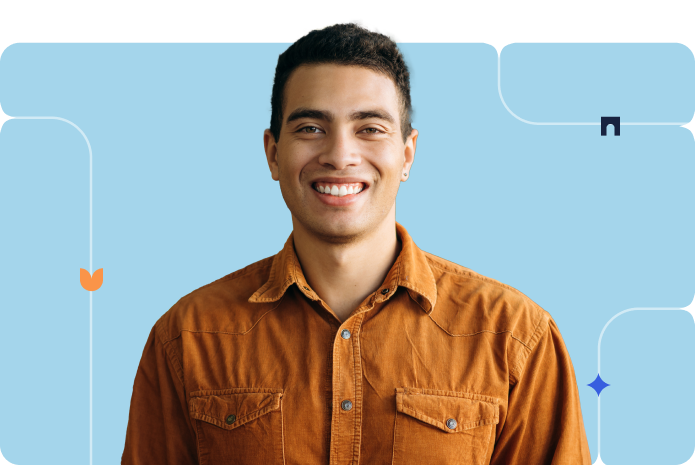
{"x": 511, "y": 333}
{"x": 516, "y": 368}
{"x": 504, "y": 286}
{"x": 169, "y": 339}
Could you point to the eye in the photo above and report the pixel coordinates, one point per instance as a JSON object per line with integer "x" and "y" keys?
{"x": 376, "y": 131}
{"x": 309, "y": 127}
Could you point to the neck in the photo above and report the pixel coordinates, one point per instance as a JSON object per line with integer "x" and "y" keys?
{"x": 343, "y": 275}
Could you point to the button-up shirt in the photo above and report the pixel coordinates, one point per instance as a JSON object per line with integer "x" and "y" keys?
{"x": 439, "y": 365}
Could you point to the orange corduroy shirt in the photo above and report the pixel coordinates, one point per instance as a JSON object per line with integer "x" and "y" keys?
{"x": 439, "y": 365}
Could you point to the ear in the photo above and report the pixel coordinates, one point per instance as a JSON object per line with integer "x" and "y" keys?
{"x": 409, "y": 152}
{"x": 271, "y": 153}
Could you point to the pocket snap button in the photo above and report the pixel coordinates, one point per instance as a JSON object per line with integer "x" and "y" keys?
{"x": 451, "y": 423}
{"x": 230, "y": 419}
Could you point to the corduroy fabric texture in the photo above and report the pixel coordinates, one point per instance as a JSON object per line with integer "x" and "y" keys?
{"x": 441, "y": 366}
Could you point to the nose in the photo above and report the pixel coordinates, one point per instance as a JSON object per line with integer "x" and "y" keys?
{"x": 342, "y": 150}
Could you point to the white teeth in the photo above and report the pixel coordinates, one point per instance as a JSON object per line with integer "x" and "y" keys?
{"x": 340, "y": 191}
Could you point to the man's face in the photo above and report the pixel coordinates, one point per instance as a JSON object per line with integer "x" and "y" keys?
{"x": 340, "y": 131}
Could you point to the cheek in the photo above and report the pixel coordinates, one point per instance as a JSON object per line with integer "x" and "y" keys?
{"x": 288, "y": 168}
{"x": 293, "y": 160}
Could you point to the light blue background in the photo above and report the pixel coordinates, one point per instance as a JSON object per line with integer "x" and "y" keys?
{"x": 585, "y": 225}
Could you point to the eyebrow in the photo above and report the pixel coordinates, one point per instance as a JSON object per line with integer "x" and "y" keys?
{"x": 324, "y": 115}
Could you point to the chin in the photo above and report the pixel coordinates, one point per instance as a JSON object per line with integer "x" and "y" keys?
{"x": 339, "y": 232}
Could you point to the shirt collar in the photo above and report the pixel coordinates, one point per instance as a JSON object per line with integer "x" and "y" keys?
{"x": 410, "y": 270}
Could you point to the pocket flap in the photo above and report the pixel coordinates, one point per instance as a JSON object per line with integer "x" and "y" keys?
{"x": 437, "y": 407}
{"x": 231, "y": 408}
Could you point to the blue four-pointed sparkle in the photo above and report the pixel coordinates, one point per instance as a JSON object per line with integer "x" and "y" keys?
{"x": 598, "y": 385}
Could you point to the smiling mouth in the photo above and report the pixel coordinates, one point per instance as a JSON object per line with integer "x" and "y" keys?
{"x": 339, "y": 190}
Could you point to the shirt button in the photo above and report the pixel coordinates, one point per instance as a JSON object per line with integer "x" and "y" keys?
{"x": 384, "y": 291}
{"x": 451, "y": 423}
{"x": 345, "y": 334}
{"x": 231, "y": 419}
{"x": 346, "y": 405}
{"x": 306, "y": 288}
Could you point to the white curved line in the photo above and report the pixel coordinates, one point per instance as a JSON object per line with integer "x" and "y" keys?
{"x": 499, "y": 90}
{"x": 688, "y": 309}
{"x": 89, "y": 146}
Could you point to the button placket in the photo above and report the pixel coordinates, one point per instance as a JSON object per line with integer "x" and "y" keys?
{"x": 347, "y": 372}
{"x": 345, "y": 389}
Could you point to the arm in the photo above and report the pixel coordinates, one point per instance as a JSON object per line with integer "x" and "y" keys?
{"x": 159, "y": 428}
{"x": 544, "y": 423}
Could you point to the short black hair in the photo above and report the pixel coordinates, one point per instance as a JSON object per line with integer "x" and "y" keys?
{"x": 343, "y": 44}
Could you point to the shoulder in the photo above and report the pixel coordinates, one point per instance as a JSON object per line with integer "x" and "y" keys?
{"x": 469, "y": 303}
{"x": 220, "y": 306}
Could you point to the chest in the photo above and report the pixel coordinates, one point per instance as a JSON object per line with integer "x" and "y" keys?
{"x": 381, "y": 387}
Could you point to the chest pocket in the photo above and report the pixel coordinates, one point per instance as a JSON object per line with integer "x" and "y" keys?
{"x": 443, "y": 427}
{"x": 238, "y": 426}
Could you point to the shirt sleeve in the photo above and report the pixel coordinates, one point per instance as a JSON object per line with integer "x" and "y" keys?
{"x": 544, "y": 424}
{"x": 159, "y": 429}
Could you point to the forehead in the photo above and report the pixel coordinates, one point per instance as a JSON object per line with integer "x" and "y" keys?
{"x": 339, "y": 88}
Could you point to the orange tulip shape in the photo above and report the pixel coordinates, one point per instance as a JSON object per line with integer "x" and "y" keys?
{"x": 91, "y": 282}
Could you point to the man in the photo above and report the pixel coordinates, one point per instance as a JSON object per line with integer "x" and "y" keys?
{"x": 352, "y": 345}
